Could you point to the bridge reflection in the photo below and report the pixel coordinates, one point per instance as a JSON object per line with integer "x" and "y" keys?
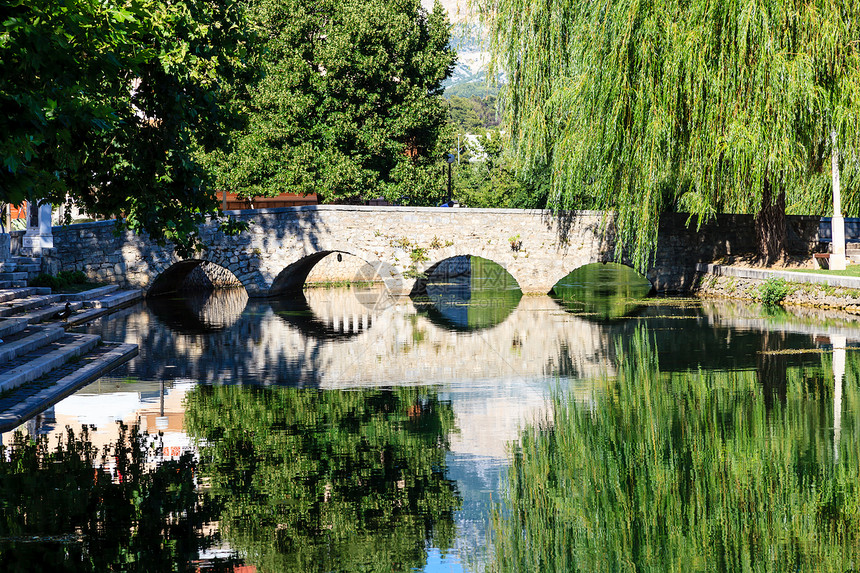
{"x": 199, "y": 312}
{"x": 345, "y": 337}
{"x": 354, "y": 338}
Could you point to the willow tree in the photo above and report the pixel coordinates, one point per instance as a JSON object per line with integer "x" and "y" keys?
{"x": 640, "y": 107}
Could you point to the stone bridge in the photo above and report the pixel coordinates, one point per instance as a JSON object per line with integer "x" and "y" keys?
{"x": 281, "y": 246}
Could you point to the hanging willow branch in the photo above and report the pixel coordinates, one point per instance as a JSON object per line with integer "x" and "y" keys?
{"x": 705, "y": 106}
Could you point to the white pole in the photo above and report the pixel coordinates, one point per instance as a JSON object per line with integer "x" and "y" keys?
{"x": 837, "y": 223}
{"x": 838, "y": 376}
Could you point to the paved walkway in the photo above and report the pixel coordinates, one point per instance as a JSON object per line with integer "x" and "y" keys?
{"x": 792, "y": 276}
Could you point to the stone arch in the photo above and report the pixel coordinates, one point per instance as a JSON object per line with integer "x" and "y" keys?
{"x": 292, "y": 278}
{"x": 420, "y": 286}
{"x": 180, "y": 274}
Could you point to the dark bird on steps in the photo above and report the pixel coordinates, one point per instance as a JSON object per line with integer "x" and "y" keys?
{"x": 65, "y": 313}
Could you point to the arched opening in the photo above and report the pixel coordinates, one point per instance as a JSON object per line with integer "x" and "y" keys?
{"x": 325, "y": 268}
{"x": 602, "y": 291}
{"x": 466, "y": 293}
{"x": 193, "y": 275}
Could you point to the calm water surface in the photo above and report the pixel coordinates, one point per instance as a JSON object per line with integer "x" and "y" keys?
{"x": 470, "y": 428}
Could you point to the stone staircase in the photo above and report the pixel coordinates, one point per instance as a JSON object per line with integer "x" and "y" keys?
{"x": 40, "y": 362}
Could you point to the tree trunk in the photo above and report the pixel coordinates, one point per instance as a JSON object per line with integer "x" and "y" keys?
{"x": 772, "y": 369}
{"x": 770, "y": 226}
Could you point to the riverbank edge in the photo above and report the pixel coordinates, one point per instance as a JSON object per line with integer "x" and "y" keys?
{"x": 804, "y": 289}
{"x": 57, "y": 384}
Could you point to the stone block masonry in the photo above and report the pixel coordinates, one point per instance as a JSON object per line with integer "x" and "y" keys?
{"x": 281, "y": 246}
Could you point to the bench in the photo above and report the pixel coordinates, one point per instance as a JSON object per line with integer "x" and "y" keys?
{"x": 825, "y": 237}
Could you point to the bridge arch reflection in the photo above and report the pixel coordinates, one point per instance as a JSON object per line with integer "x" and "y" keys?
{"x": 323, "y": 314}
{"x": 602, "y": 291}
{"x": 199, "y": 312}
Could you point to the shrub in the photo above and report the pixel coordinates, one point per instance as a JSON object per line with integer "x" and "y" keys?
{"x": 773, "y": 291}
{"x": 62, "y": 280}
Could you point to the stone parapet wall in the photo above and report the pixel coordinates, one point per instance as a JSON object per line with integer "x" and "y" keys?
{"x": 727, "y": 237}
{"x": 281, "y": 246}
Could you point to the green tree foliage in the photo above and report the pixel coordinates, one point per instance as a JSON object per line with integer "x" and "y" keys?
{"x": 473, "y": 114}
{"x": 109, "y": 102}
{"x": 71, "y": 507}
{"x": 481, "y": 90}
{"x": 349, "y": 105}
{"x": 327, "y": 480}
{"x": 687, "y": 471}
{"x": 486, "y": 177}
{"x": 705, "y": 106}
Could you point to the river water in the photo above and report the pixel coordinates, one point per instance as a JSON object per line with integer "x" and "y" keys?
{"x": 471, "y": 428}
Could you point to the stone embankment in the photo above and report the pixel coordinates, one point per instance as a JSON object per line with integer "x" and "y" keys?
{"x": 40, "y": 362}
{"x": 803, "y": 289}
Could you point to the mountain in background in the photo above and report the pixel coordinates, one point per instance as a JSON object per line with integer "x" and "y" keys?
{"x": 470, "y": 72}
{"x": 469, "y": 78}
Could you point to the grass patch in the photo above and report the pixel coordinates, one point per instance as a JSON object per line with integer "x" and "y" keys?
{"x": 64, "y": 282}
{"x": 850, "y": 271}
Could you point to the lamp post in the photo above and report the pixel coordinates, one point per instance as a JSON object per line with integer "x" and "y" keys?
{"x": 450, "y": 158}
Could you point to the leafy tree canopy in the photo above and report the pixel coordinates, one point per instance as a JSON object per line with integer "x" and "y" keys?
{"x": 485, "y": 176}
{"x": 349, "y": 105}
{"x": 704, "y": 106}
{"x": 107, "y": 102}
{"x": 472, "y": 114}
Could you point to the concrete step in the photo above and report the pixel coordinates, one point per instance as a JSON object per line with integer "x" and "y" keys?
{"x": 33, "y": 365}
{"x": 22, "y": 305}
{"x": 116, "y": 299}
{"x": 13, "y": 276}
{"x": 27, "y": 340}
{"x": 26, "y": 260}
{"x": 25, "y": 402}
{"x": 9, "y": 326}
{"x": 103, "y": 307}
{"x": 21, "y": 283}
{"x": 15, "y": 293}
{"x": 48, "y": 312}
{"x": 91, "y": 294}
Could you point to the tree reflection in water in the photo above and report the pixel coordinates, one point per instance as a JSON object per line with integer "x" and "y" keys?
{"x": 317, "y": 480}
{"x": 73, "y": 507}
{"x": 695, "y": 471}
